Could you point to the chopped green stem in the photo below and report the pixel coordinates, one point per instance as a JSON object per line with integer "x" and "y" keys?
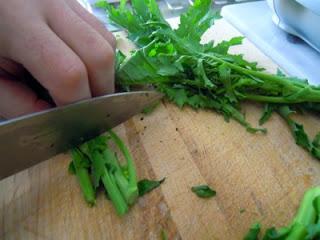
{"x": 132, "y": 186}
{"x": 306, "y": 214}
{"x": 110, "y": 185}
{"x": 121, "y": 180}
{"x": 83, "y": 177}
{"x": 86, "y": 186}
{"x": 115, "y": 195}
{"x": 298, "y": 232}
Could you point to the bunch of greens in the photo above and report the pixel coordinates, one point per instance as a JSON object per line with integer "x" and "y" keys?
{"x": 304, "y": 226}
{"x": 203, "y": 76}
{"x": 95, "y": 163}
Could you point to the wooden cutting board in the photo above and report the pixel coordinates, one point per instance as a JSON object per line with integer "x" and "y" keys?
{"x": 257, "y": 178}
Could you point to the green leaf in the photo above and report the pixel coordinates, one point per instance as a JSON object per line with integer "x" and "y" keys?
{"x": 199, "y": 101}
{"x": 146, "y": 185}
{"x": 300, "y": 135}
{"x": 223, "y": 47}
{"x": 201, "y": 72}
{"x": 267, "y": 112}
{"x": 196, "y": 20}
{"x": 71, "y": 168}
{"x": 229, "y": 111}
{"x": 203, "y": 191}
{"x": 225, "y": 78}
{"x": 253, "y": 232}
{"x": 178, "y": 96}
{"x": 120, "y": 57}
{"x": 101, "y": 4}
{"x": 239, "y": 60}
{"x": 141, "y": 10}
{"x": 297, "y": 129}
{"x": 316, "y": 140}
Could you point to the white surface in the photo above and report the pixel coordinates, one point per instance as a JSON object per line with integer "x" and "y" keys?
{"x": 254, "y": 21}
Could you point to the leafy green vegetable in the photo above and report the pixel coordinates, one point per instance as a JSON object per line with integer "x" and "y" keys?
{"x": 146, "y": 185}
{"x": 203, "y": 191}
{"x": 304, "y": 226}
{"x": 298, "y": 132}
{"x": 253, "y": 232}
{"x": 101, "y": 4}
{"x": 203, "y": 75}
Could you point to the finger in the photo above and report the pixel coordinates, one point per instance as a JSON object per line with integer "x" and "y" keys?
{"x": 17, "y": 99}
{"x": 92, "y": 21}
{"x": 52, "y": 63}
{"x": 12, "y": 68}
{"x": 92, "y": 48}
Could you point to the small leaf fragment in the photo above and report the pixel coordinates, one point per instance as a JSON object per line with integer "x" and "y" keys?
{"x": 203, "y": 191}
{"x": 164, "y": 235}
{"x": 145, "y": 185}
{"x": 253, "y": 232}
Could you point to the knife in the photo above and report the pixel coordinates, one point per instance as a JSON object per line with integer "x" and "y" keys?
{"x": 30, "y": 139}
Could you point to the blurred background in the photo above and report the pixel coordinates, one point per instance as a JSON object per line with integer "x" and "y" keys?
{"x": 169, "y": 8}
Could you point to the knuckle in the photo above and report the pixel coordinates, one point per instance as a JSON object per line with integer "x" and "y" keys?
{"x": 72, "y": 75}
{"x": 104, "y": 57}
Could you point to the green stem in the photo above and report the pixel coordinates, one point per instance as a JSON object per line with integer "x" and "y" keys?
{"x": 109, "y": 184}
{"x": 114, "y": 194}
{"x": 265, "y": 76}
{"x": 83, "y": 177}
{"x": 86, "y": 186}
{"x": 132, "y": 186}
{"x": 121, "y": 180}
{"x": 306, "y": 214}
{"x": 298, "y": 232}
{"x": 269, "y": 99}
{"x": 313, "y": 94}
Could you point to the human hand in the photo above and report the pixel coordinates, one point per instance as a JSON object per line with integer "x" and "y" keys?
{"x": 66, "y": 49}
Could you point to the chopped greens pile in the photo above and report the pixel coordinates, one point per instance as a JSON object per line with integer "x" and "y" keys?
{"x": 204, "y": 76}
{"x": 304, "y": 226}
{"x": 95, "y": 163}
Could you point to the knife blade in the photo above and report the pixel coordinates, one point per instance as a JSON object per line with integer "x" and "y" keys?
{"x": 28, "y": 140}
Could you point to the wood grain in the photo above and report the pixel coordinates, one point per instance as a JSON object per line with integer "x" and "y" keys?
{"x": 266, "y": 175}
